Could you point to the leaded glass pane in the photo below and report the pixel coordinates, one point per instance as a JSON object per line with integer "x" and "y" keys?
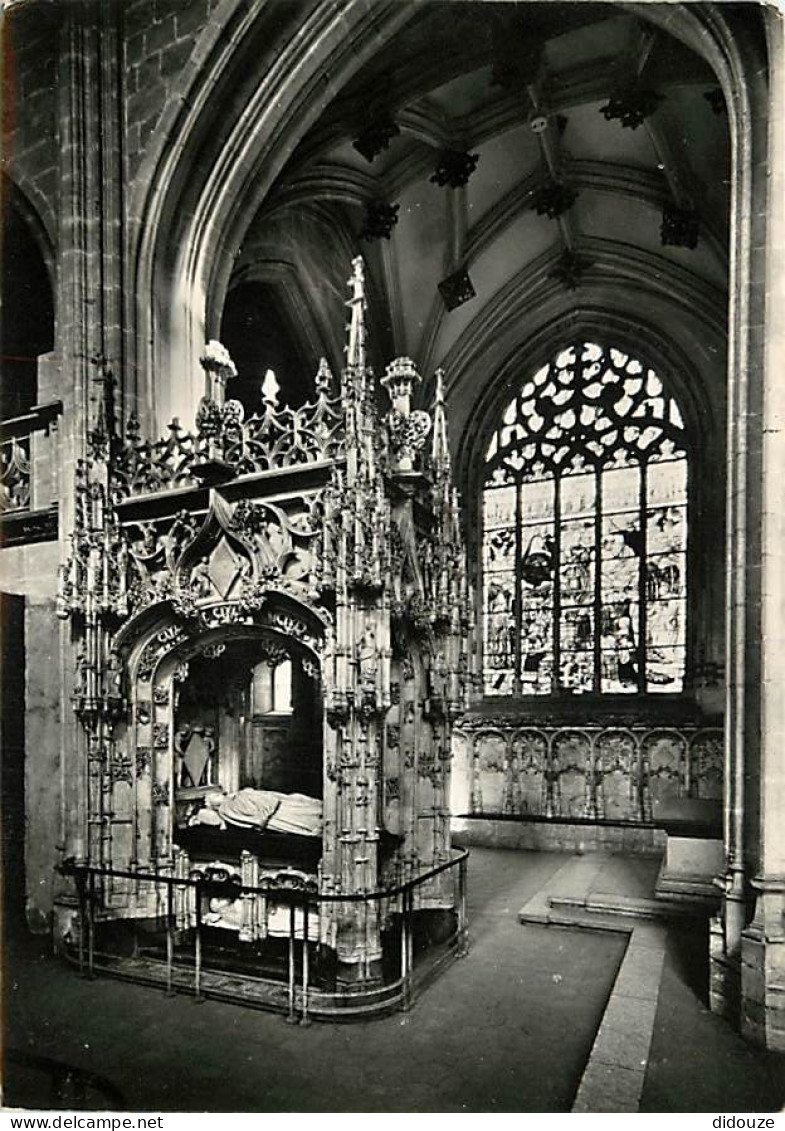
{"x": 499, "y": 634}
{"x": 499, "y": 566}
{"x": 620, "y": 658}
{"x": 666, "y": 575}
{"x": 576, "y": 669}
{"x": 667, "y": 483}
{"x": 536, "y": 647}
{"x": 577, "y": 539}
{"x": 666, "y": 532}
{"x": 499, "y": 508}
{"x": 536, "y": 573}
{"x": 594, "y": 447}
{"x": 665, "y": 672}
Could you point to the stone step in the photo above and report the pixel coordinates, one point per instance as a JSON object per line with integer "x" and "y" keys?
{"x": 627, "y": 906}
{"x": 581, "y": 919}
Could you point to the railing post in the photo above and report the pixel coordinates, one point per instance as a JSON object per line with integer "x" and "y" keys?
{"x": 404, "y": 950}
{"x": 407, "y": 948}
{"x": 81, "y": 896}
{"x": 198, "y": 945}
{"x": 291, "y": 1017}
{"x": 410, "y": 939}
{"x": 463, "y": 934}
{"x": 90, "y": 924}
{"x": 169, "y": 935}
{"x": 305, "y": 1020}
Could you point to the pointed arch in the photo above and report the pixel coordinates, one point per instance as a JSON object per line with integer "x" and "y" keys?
{"x": 194, "y": 210}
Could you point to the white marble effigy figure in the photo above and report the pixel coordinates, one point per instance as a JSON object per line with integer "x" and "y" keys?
{"x": 266, "y": 809}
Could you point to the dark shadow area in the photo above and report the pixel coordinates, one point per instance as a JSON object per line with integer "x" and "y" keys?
{"x": 688, "y": 956}
{"x": 26, "y": 312}
{"x": 259, "y": 336}
{"x": 41, "y": 1082}
{"x": 698, "y": 1062}
{"x": 12, "y": 764}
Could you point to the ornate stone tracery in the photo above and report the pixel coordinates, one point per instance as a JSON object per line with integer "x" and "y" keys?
{"x": 346, "y": 556}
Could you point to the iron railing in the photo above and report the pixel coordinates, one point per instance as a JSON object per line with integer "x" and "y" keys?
{"x": 303, "y": 1000}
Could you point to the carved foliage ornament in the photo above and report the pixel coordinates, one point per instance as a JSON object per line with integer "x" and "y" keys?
{"x": 454, "y": 168}
{"x": 388, "y": 478}
{"x": 457, "y": 289}
{"x": 570, "y": 269}
{"x": 376, "y": 136}
{"x": 275, "y": 437}
{"x": 553, "y": 199}
{"x": 380, "y": 219}
{"x": 631, "y": 105}
{"x": 680, "y": 227}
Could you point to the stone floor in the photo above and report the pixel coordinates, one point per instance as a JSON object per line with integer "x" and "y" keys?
{"x": 509, "y": 1028}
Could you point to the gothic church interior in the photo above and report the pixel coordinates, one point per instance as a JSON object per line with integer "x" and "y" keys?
{"x": 391, "y": 449}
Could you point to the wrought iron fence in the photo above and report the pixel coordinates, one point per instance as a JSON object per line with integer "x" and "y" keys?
{"x": 294, "y": 994}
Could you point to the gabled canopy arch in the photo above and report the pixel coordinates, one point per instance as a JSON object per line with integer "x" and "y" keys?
{"x": 150, "y": 640}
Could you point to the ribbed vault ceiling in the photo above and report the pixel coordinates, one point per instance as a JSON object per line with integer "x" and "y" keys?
{"x": 437, "y": 80}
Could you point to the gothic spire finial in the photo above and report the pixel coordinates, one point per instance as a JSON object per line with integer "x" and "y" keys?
{"x": 355, "y": 349}
{"x": 324, "y": 377}
{"x": 270, "y": 389}
{"x": 440, "y": 449}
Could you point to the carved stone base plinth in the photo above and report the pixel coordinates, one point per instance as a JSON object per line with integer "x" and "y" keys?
{"x": 724, "y": 975}
{"x": 689, "y": 870}
{"x": 763, "y": 968}
{"x": 65, "y": 923}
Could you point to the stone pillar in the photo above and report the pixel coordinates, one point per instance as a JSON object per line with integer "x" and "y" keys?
{"x": 750, "y": 110}
{"x": 763, "y": 941}
{"x": 77, "y": 340}
{"x": 89, "y": 332}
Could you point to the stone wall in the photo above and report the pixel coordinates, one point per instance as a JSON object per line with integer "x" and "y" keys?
{"x": 159, "y": 38}
{"x": 30, "y": 135}
{"x": 31, "y": 571}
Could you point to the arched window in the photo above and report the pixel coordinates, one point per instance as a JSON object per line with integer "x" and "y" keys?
{"x": 271, "y": 688}
{"x": 584, "y": 512}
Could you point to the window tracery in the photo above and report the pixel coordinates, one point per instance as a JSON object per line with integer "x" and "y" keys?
{"x": 584, "y": 546}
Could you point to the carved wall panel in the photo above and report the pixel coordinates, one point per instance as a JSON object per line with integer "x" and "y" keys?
{"x": 530, "y": 766}
{"x": 617, "y": 794}
{"x": 571, "y": 774}
{"x": 664, "y": 769}
{"x": 706, "y": 761}
{"x": 606, "y": 773}
{"x": 494, "y": 768}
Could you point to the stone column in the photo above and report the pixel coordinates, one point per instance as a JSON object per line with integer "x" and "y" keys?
{"x": 89, "y": 287}
{"x": 749, "y": 111}
{"x": 763, "y": 941}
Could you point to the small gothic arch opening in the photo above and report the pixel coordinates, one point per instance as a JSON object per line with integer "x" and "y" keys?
{"x": 259, "y": 336}
{"x": 27, "y": 325}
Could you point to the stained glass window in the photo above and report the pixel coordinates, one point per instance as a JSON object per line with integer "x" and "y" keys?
{"x": 584, "y": 544}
